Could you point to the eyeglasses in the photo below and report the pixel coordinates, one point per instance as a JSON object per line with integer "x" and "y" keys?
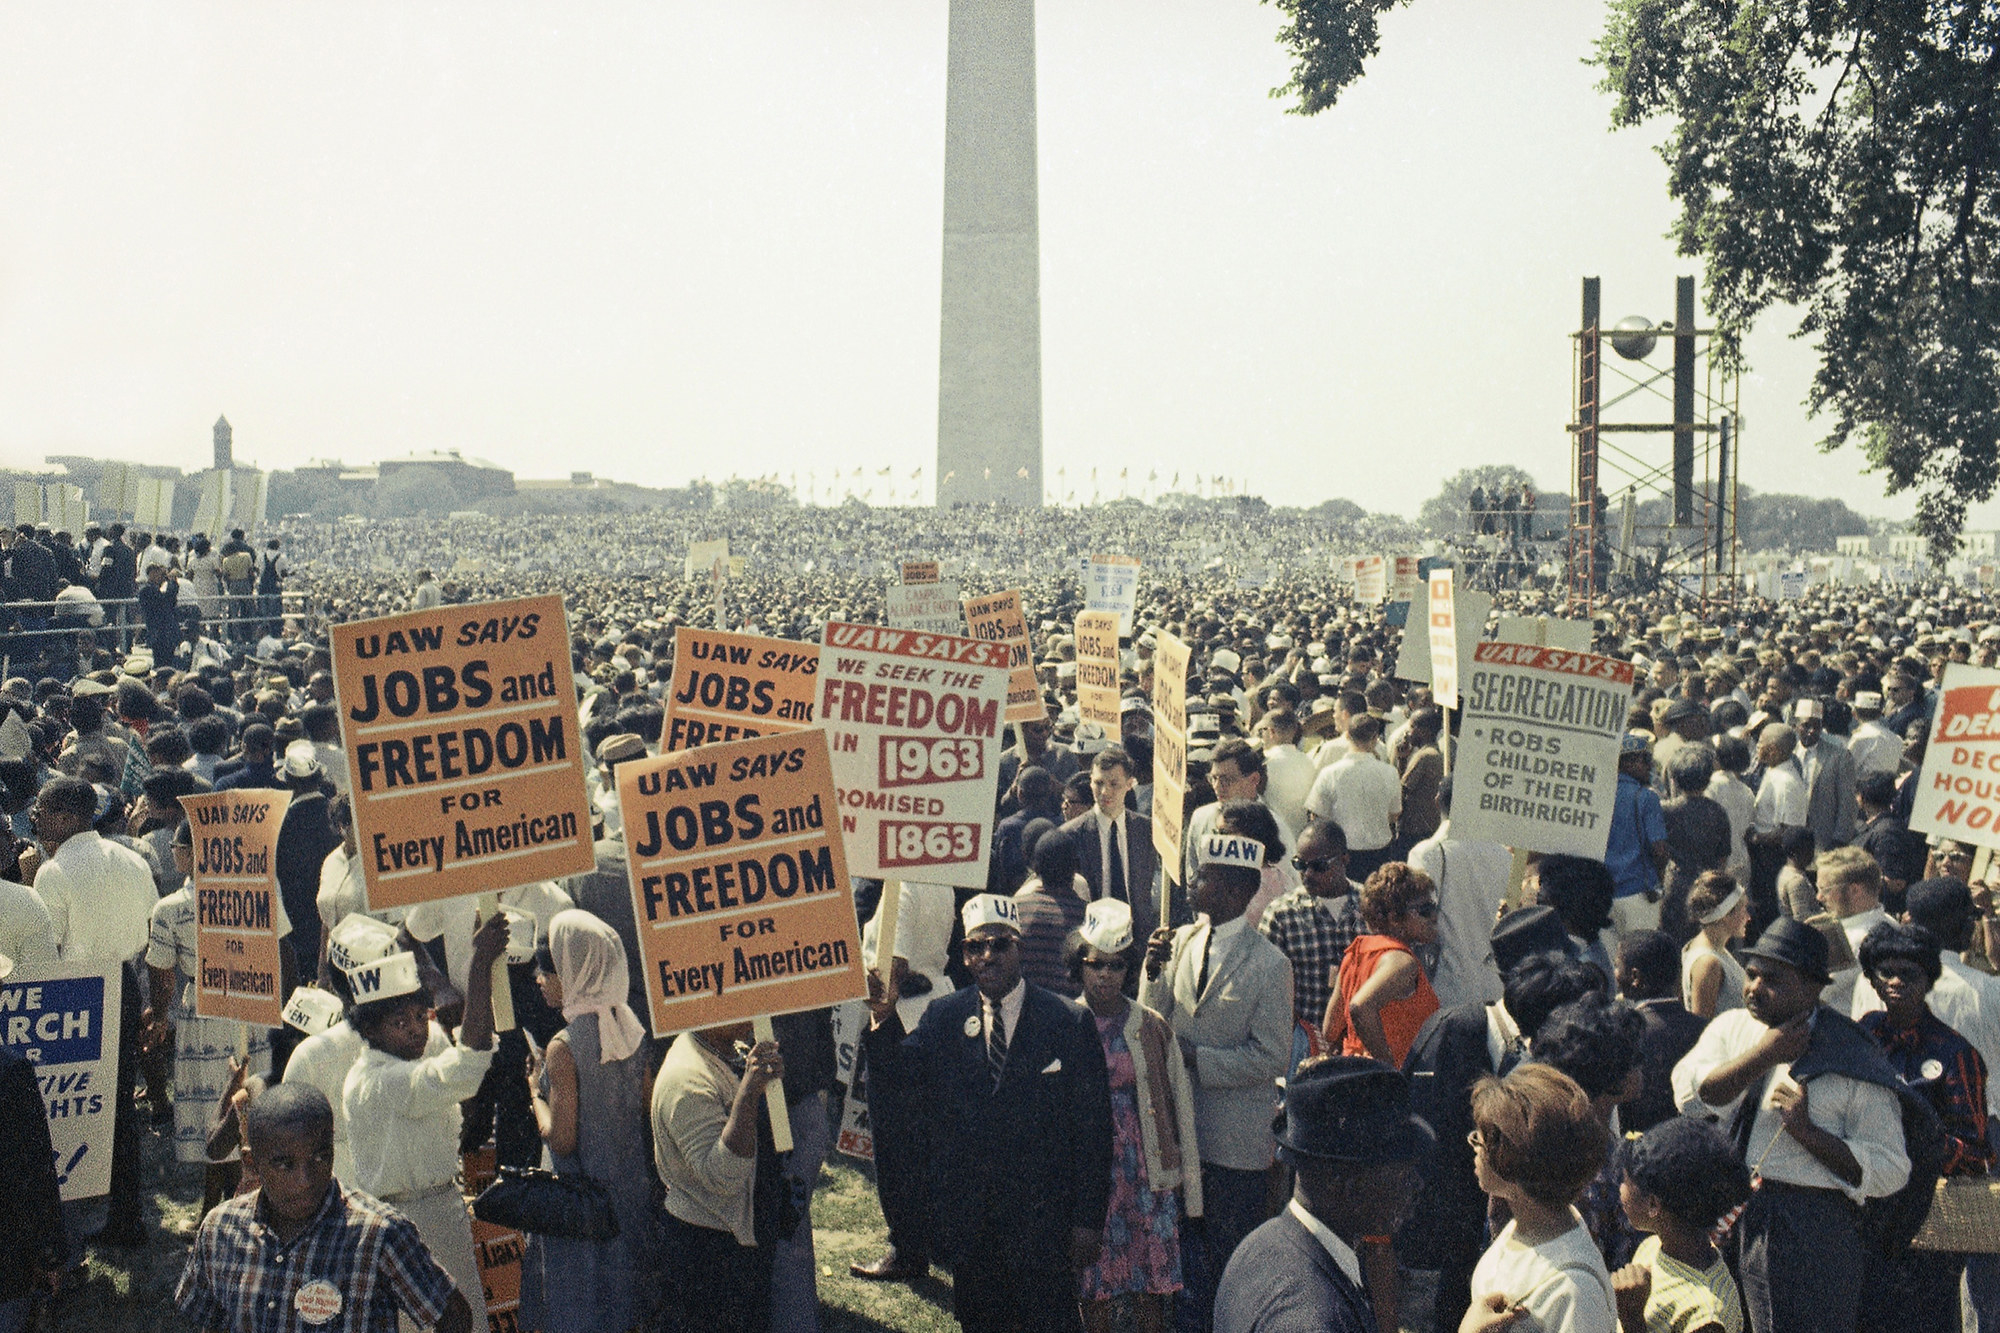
{"x": 980, "y": 948}
{"x": 1105, "y": 964}
{"x": 1318, "y": 865}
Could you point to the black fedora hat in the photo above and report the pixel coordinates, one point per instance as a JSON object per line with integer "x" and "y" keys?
{"x": 1347, "y": 1108}
{"x": 1794, "y": 944}
{"x": 1531, "y": 930}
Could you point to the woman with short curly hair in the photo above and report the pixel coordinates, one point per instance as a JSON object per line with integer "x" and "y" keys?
{"x": 1382, "y": 996}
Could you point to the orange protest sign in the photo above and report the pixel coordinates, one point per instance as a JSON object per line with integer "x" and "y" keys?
{"x": 920, "y": 571}
{"x": 738, "y": 881}
{"x": 727, "y": 687}
{"x": 460, "y": 729}
{"x": 236, "y": 904}
{"x": 1097, "y": 668}
{"x": 500, "y": 1250}
{"x": 997, "y": 618}
{"x": 1170, "y": 664}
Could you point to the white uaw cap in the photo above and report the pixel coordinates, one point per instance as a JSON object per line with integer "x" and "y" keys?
{"x": 1107, "y": 926}
{"x": 1806, "y": 708}
{"x": 359, "y": 940}
{"x": 312, "y": 1011}
{"x": 520, "y": 934}
{"x": 991, "y": 909}
{"x": 385, "y": 978}
{"x": 1229, "y": 849}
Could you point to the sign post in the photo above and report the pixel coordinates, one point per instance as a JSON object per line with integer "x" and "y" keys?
{"x": 1444, "y": 655}
{"x": 460, "y": 729}
{"x": 236, "y": 904}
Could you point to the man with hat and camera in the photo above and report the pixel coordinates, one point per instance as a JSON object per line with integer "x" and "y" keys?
{"x": 1814, "y": 1108}
{"x": 1012, "y": 1080}
{"x": 1348, "y": 1132}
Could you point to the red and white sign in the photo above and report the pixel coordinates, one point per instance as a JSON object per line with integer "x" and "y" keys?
{"x": 913, "y": 724}
{"x": 1371, "y": 578}
{"x": 1958, "y": 791}
{"x": 1444, "y": 641}
{"x": 1405, "y": 583}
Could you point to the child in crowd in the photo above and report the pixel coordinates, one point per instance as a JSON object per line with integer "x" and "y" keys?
{"x": 1536, "y": 1143}
{"x": 1681, "y": 1179}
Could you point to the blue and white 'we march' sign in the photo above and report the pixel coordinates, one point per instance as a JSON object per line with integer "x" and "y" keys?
{"x": 64, "y": 1020}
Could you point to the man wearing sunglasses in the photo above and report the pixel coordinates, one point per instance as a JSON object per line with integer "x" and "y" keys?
{"x": 1011, "y": 1082}
{"x": 1313, "y": 925}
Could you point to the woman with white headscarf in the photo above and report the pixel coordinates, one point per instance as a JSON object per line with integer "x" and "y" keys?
{"x": 591, "y": 1100}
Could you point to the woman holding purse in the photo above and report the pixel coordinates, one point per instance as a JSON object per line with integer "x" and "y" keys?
{"x": 590, "y": 1100}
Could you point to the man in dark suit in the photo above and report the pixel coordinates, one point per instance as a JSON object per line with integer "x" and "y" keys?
{"x": 1454, "y": 1049}
{"x": 1114, "y": 846}
{"x": 1011, "y": 1079}
{"x": 1348, "y": 1132}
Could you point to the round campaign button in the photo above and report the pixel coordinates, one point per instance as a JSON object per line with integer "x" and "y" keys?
{"x": 317, "y": 1302}
{"x": 1932, "y": 1069}
{"x": 972, "y": 1026}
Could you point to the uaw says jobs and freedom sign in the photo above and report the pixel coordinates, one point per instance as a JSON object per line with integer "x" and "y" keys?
{"x": 1537, "y": 762}
{"x": 460, "y": 729}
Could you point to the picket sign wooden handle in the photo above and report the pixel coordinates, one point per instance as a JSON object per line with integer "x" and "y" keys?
{"x": 503, "y": 990}
{"x": 774, "y": 1093}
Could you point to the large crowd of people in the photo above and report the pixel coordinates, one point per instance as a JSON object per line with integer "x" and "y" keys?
{"x": 1331, "y": 1066}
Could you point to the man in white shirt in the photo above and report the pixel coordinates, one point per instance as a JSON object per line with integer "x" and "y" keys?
{"x": 1362, "y": 794}
{"x": 1346, "y": 708}
{"x": 1237, "y": 774}
{"x": 1288, "y": 773}
{"x": 1850, "y": 889}
{"x": 1875, "y": 748}
{"x": 1810, "y": 1101}
{"x": 1471, "y": 878}
{"x": 100, "y": 897}
{"x": 26, "y": 934}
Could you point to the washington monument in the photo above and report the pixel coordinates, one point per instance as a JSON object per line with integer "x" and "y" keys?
{"x": 990, "y": 360}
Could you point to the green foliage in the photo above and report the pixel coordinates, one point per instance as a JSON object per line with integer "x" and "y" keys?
{"x": 1338, "y": 511}
{"x": 1768, "y": 522}
{"x": 1329, "y": 41}
{"x": 1841, "y": 155}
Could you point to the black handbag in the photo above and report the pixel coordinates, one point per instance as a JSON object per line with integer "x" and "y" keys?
{"x": 546, "y": 1204}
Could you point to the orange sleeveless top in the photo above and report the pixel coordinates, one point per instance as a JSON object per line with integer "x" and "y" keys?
{"x": 1400, "y": 1018}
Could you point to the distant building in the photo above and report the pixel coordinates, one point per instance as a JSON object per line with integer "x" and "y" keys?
{"x": 225, "y": 448}
{"x": 472, "y": 478}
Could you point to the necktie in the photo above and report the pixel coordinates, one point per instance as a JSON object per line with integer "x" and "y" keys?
{"x": 996, "y": 1043}
{"x": 1201, "y": 977}
{"x": 1114, "y": 874}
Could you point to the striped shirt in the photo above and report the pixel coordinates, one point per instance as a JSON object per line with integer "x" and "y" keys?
{"x": 354, "y": 1266}
{"x": 1684, "y": 1298}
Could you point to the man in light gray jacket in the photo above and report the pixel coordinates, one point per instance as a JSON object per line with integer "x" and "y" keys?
{"x": 1227, "y": 993}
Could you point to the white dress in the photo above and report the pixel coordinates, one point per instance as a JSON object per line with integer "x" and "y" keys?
{"x": 1729, "y": 995}
{"x": 203, "y": 1047}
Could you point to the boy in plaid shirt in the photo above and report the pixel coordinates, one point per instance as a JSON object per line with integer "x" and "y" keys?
{"x": 303, "y": 1253}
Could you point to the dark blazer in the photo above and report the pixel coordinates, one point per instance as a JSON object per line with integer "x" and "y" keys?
{"x": 1018, "y": 1166}
{"x": 1139, "y": 875}
{"x": 1671, "y": 1032}
{"x": 1282, "y": 1280}
{"x": 32, "y": 1238}
{"x": 304, "y": 841}
{"x": 1448, "y": 1220}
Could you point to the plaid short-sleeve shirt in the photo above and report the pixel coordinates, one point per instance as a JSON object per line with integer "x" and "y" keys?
{"x": 1314, "y": 933}
{"x": 354, "y": 1266}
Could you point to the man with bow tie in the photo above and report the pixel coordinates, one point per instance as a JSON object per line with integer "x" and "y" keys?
{"x": 1012, "y": 1080}
{"x": 1227, "y": 993}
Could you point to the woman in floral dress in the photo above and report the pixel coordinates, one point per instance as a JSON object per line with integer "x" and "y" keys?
{"x": 1154, "y": 1156}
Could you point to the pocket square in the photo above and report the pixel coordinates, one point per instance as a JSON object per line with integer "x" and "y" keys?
{"x": 1055, "y": 1067}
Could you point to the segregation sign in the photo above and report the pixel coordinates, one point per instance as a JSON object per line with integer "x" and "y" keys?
{"x": 460, "y": 729}
{"x": 1170, "y": 664}
{"x": 727, "y": 687}
{"x": 933, "y": 607}
{"x": 236, "y": 910}
{"x": 1958, "y": 790}
{"x": 1537, "y": 761}
{"x": 63, "y": 1018}
{"x": 738, "y": 881}
{"x": 1111, "y": 583}
{"x": 997, "y": 618}
{"x": 1097, "y": 669}
{"x": 913, "y": 722}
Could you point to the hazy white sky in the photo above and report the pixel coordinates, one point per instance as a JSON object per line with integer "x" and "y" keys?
{"x": 664, "y": 240}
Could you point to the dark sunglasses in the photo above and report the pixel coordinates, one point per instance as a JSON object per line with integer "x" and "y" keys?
{"x": 980, "y": 948}
{"x": 1106, "y": 964}
{"x": 1317, "y": 865}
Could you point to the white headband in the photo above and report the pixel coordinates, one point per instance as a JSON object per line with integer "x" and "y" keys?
{"x": 1725, "y": 907}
